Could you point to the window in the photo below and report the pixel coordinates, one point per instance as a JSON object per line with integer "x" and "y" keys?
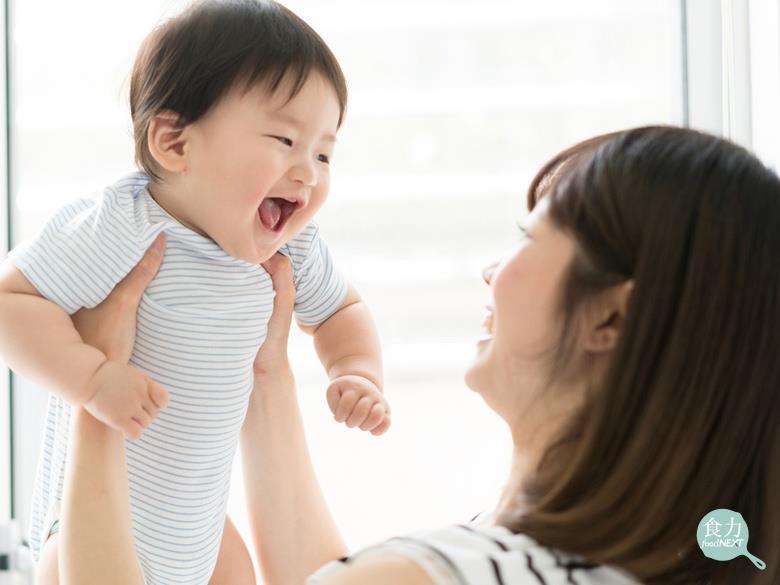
{"x": 5, "y": 394}
{"x": 453, "y": 107}
{"x": 764, "y": 51}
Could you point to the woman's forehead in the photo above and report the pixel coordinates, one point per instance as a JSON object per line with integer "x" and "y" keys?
{"x": 539, "y": 214}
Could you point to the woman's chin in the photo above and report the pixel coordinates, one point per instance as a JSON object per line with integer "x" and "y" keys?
{"x": 482, "y": 368}
{"x": 479, "y": 369}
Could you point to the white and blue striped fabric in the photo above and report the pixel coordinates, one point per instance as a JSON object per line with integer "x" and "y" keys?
{"x": 473, "y": 554}
{"x": 200, "y": 324}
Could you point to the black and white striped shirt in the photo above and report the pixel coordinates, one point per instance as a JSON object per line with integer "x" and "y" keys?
{"x": 200, "y": 324}
{"x": 473, "y": 554}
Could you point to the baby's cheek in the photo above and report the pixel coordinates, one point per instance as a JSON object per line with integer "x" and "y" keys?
{"x": 318, "y": 198}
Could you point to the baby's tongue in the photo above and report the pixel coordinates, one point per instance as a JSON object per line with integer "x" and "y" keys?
{"x": 270, "y": 212}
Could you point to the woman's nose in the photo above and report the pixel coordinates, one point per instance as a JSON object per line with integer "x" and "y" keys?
{"x": 487, "y": 272}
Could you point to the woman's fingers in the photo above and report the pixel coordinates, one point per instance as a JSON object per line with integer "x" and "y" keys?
{"x": 132, "y": 287}
{"x": 280, "y": 269}
{"x": 110, "y": 327}
{"x": 273, "y": 352}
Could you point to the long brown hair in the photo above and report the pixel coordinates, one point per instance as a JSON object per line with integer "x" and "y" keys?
{"x": 687, "y": 417}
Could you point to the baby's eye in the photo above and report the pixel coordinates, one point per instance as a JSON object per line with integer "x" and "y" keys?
{"x": 284, "y": 140}
{"x": 324, "y": 158}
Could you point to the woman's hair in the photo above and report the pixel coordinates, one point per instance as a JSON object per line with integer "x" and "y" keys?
{"x": 686, "y": 419}
{"x": 188, "y": 63}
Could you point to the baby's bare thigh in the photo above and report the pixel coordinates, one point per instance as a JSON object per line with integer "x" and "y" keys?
{"x": 47, "y": 572}
{"x": 234, "y": 565}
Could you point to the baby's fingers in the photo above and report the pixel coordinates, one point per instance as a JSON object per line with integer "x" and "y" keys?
{"x": 345, "y": 405}
{"x": 382, "y": 427}
{"x": 375, "y": 416}
{"x": 158, "y": 394}
{"x": 151, "y": 409}
{"x": 360, "y": 412}
{"x": 142, "y": 418}
{"x": 132, "y": 430}
{"x": 333, "y": 395}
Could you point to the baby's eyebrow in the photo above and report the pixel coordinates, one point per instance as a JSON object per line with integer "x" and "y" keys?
{"x": 290, "y": 119}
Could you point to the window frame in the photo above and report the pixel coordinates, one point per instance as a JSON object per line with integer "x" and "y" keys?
{"x": 6, "y": 388}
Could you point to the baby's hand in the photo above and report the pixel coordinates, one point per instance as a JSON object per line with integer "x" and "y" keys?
{"x": 358, "y": 402}
{"x": 125, "y": 398}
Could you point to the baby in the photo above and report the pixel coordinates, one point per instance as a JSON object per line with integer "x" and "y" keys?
{"x": 235, "y": 107}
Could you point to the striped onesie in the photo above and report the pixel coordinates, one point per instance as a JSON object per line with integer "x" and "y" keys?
{"x": 200, "y": 323}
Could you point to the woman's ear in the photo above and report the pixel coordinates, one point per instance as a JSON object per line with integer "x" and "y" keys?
{"x": 167, "y": 140}
{"x": 605, "y": 322}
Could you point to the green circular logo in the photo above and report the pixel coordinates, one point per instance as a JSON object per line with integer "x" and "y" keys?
{"x": 723, "y": 535}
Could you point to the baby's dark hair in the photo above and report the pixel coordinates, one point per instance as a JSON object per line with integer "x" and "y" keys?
{"x": 189, "y": 62}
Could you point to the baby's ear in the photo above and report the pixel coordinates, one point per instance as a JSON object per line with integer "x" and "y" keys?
{"x": 167, "y": 139}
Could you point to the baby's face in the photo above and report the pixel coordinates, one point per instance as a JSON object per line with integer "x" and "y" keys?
{"x": 258, "y": 166}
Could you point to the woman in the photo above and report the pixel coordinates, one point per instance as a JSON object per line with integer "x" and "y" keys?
{"x": 632, "y": 352}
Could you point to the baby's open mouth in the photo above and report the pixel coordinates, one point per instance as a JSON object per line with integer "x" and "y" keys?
{"x": 275, "y": 211}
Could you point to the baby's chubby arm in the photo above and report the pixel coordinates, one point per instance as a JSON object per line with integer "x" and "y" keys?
{"x": 38, "y": 341}
{"x": 348, "y": 346}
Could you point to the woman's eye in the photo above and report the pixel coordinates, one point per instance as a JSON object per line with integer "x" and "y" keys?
{"x": 523, "y": 235}
{"x": 324, "y": 158}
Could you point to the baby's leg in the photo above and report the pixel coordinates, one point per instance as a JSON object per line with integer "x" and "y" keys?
{"x": 47, "y": 572}
{"x": 234, "y": 565}
{"x": 95, "y": 538}
{"x": 94, "y": 544}
{"x": 95, "y": 541}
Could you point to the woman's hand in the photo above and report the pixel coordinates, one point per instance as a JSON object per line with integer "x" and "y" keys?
{"x": 123, "y": 397}
{"x": 272, "y": 356}
{"x": 291, "y": 525}
{"x": 110, "y": 327}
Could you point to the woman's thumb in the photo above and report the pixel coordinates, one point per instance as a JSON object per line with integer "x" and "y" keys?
{"x": 136, "y": 281}
{"x": 280, "y": 269}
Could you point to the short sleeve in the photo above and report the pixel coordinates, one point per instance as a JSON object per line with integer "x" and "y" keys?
{"x": 487, "y": 555}
{"x": 320, "y": 288}
{"x": 438, "y": 568}
{"x": 84, "y": 249}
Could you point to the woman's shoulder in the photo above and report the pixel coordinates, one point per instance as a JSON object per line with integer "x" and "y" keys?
{"x": 480, "y": 554}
